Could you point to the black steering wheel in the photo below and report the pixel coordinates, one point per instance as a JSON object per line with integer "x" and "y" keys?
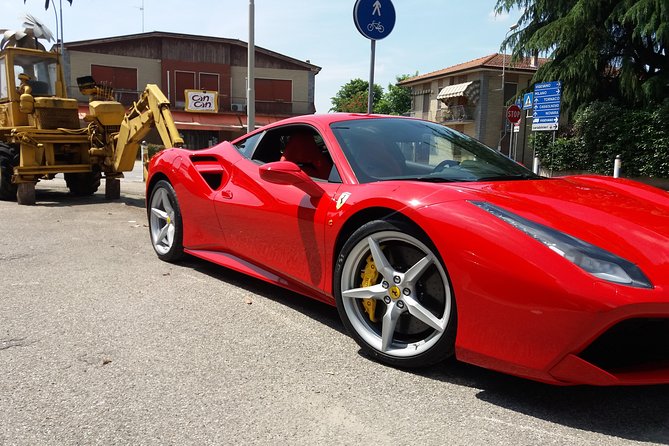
{"x": 444, "y": 164}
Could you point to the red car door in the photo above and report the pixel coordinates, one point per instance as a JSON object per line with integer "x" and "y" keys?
{"x": 277, "y": 227}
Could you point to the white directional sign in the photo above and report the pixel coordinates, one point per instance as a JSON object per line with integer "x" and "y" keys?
{"x": 546, "y": 104}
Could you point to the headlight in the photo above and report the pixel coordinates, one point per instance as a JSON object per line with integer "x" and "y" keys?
{"x": 594, "y": 260}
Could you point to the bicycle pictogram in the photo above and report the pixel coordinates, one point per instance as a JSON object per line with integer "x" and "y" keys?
{"x": 375, "y": 25}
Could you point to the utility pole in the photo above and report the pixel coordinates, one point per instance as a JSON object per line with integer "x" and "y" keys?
{"x": 501, "y": 138}
{"x": 250, "y": 92}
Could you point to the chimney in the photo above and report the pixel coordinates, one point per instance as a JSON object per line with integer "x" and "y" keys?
{"x": 534, "y": 60}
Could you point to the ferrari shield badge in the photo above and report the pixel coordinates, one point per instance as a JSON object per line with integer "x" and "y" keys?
{"x": 342, "y": 199}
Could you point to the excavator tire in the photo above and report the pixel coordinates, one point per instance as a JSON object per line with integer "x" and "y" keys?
{"x": 9, "y": 158}
{"x": 83, "y": 184}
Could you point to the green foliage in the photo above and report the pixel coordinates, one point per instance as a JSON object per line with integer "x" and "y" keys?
{"x": 397, "y": 100}
{"x": 152, "y": 149}
{"x": 352, "y": 97}
{"x": 604, "y": 130}
{"x": 598, "y": 49}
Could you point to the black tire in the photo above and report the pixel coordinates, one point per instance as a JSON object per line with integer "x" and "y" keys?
{"x": 83, "y": 184}
{"x": 413, "y": 320}
{"x": 9, "y": 158}
{"x": 165, "y": 223}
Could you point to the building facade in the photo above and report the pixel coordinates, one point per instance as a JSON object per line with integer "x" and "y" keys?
{"x": 180, "y": 62}
{"x": 472, "y": 97}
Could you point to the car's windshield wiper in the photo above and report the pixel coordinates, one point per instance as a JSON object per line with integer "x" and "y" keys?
{"x": 510, "y": 177}
{"x": 429, "y": 179}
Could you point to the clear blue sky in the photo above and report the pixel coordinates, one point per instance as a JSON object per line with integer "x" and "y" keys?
{"x": 428, "y": 34}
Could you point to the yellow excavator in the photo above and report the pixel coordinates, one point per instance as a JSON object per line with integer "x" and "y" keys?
{"x": 41, "y": 133}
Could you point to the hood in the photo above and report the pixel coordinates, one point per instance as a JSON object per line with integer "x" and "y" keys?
{"x": 626, "y": 218}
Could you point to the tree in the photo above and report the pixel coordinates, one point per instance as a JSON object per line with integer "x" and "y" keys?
{"x": 397, "y": 100}
{"x": 352, "y": 97}
{"x": 598, "y": 49}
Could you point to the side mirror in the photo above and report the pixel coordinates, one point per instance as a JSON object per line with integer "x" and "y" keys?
{"x": 288, "y": 173}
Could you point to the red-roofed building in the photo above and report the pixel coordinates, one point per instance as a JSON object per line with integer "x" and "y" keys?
{"x": 472, "y": 97}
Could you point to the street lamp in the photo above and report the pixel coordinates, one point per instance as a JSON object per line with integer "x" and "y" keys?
{"x": 499, "y": 143}
{"x": 250, "y": 88}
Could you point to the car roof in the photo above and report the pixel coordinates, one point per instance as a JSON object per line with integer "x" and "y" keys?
{"x": 323, "y": 119}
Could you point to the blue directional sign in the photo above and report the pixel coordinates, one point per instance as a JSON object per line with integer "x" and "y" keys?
{"x": 546, "y": 104}
{"x": 548, "y": 92}
{"x": 375, "y": 19}
{"x": 528, "y": 100}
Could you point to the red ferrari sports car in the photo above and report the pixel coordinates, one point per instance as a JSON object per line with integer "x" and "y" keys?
{"x": 431, "y": 244}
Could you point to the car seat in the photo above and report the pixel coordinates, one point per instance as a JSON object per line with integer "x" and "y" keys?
{"x": 303, "y": 151}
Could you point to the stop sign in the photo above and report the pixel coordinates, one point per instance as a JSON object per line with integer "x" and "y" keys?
{"x": 513, "y": 113}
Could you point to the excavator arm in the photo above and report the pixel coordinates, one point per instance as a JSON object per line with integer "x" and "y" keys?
{"x": 151, "y": 110}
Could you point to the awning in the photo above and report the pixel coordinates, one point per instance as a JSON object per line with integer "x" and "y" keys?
{"x": 204, "y": 121}
{"x": 453, "y": 91}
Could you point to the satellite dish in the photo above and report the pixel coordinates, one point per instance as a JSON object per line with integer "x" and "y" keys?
{"x": 12, "y": 38}
{"x": 27, "y": 38}
{"x": 35, "y": 28}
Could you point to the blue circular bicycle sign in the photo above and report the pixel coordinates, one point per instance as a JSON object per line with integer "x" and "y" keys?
{"x": 375, "y": 19}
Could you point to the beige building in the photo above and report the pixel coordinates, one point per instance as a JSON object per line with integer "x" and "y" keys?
{"x": 472, "y": 97}
{"x": 179, "y": 63}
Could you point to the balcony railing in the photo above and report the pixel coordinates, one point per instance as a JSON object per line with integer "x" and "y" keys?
{"x": 275, "y": 108}
{"x": 455, "y": 113}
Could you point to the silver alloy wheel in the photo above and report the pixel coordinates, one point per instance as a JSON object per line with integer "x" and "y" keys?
{"x": 162, "y": 221}
{"x": 402, "y": 289}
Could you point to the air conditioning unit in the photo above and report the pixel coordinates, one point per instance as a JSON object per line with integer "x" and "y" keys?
{"x": 238, "y": 107}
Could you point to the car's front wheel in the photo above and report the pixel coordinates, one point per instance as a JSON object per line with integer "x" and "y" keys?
{"x": 165, "y": 224}
{"x": 394, "y": 295}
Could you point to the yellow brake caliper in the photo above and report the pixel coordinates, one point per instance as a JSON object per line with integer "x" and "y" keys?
{"x": 369, "y": 277}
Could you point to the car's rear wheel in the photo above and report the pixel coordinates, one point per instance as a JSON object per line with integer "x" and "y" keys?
{"x": 394, "y": 295}
{"x": 165, "y": 224}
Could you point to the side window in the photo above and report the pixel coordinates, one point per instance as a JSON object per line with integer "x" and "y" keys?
{"x": 301, "y": 145}
{"x": 3, "y": 82}
{"x": 246, "y": 146}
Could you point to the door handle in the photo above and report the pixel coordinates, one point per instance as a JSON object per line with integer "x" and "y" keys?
{"x": 227, "y": 194}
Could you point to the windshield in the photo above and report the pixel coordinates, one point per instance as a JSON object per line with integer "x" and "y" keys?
{"x": 396, "y": 148}
{"x": 41, "y": 72}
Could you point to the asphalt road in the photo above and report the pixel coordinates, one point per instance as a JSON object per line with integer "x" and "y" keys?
{"x": 102, "y": 343}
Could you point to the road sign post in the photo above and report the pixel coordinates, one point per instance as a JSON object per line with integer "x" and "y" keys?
{"x": 375, "y": 19}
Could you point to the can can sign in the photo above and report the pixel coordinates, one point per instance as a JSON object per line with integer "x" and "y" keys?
{"x": 201, "y": 101}
{"x": 513, "y": 113}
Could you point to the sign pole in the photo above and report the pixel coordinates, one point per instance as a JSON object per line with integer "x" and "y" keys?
{"x": 374, "y": 19}
{"x": 370, "y": 95}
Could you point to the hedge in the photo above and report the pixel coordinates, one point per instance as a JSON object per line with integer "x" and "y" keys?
{"x": 603, "y": 130}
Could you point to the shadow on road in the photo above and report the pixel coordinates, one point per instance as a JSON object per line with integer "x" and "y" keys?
{"x": 632, "y": 413}
{"x": 314, "y": 309}
{"x": 57, "y": 198}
